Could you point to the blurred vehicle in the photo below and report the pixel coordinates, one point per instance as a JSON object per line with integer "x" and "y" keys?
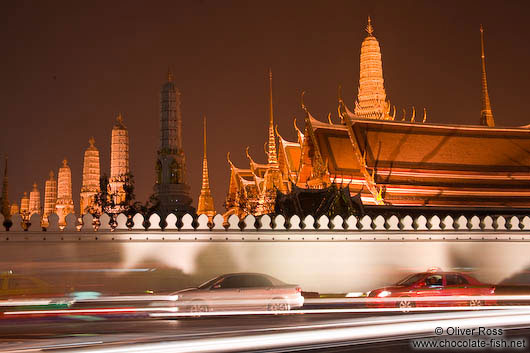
{"x": 435, "y": 284}
{"x": 240, "y": 291}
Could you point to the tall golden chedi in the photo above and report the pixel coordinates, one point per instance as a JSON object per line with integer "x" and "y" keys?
{"x": 24, "y": 206}
{"x": 50, "y": 198}
{"x": 486, "y": 115}
{"x": 91, "y": 173}
{"x": 65, "y": 204}
{"x": 205, "y": 205}
{"x": 6, "y": 209}
{"x": 119, "y": 161}
{"x": 34, "y": 201}
{"x": 371, "y": 101}
{"x": 171, "y": 190}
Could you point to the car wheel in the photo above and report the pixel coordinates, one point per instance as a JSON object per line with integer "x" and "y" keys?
{"x": 475, "y": 303}
{"x": 405, "y": 304}
{"x": 278, "y": 305}
{"x": 198, "y": 307}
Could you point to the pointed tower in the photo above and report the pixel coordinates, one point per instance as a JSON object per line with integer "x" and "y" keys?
{"x": 34, "y": 201}
{"x": 91, "y": 174}
{"x": 24, "y": 206}
{"x": 50, "y": 198}
{"x": 273, "y": 176}
{"x": 171, "y": 190}
{"x": 65, "y": 204}
{"x": 119, "y": 160}
{"x": 6, "y": 209}
{"x": 205, "y": 205}
{"x": 371, "y": 101}
{"x": 486, "y": 115}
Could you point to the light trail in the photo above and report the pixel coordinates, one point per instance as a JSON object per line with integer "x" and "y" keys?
{"x": 315, "y": 335}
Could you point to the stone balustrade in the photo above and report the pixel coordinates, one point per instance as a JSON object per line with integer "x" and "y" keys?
{"x": 187, "y": 223}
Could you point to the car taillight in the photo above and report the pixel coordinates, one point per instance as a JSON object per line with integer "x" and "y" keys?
{"x": 299, "y": 290}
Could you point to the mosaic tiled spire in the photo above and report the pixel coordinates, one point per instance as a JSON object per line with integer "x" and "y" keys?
{"x": 65, "y": 204}
{"x": 50, "y": 198}
{"x": 371, "y": 100}
{"x": 24, "y": 206}
{"x": 91, "y": 173}
{"x": 171, "y": 190}
{"x": 119, "y": 160}
{"x": 34, "y": 201}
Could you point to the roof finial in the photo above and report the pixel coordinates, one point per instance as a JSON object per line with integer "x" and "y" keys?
{"x": 369, "y": 27}
{"x": 271, "y": 150}
{"x": 270, "y": 96}
{"x": 5, "y": 169}
{"x": 65, "y": 162}
{"x": 91, "y": 141}
{"x": 119, "y": 118}
{"x": 169, "y": 75}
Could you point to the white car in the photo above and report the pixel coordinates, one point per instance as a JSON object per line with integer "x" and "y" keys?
{"x": 240, "y": 291}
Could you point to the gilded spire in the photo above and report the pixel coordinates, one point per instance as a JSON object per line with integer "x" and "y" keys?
{"x": 169, "y": 75}
{"x": 369, "y": 27}
{"x": 272, "y": 157}
{"x": 205, "y": 198}
{"x": 486, "y": 115}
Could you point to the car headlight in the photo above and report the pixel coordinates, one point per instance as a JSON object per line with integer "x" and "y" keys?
{"x": 384, "y": 293}
{"x": 174, "y": 297}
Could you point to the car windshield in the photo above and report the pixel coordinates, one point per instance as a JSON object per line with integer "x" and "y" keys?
{"x": 409, "y": 280}
{"x": 209, "y": 283}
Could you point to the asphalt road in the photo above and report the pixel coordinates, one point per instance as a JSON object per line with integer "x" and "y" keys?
{"x": 58, "y": 334}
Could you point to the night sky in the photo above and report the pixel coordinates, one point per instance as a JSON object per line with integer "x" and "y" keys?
{"x": 67, "y": 69}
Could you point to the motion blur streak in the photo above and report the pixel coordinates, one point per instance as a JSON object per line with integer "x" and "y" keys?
{"x": 336, "y": 311}
{"x": 321, "y": 336}
{"x": 86, "y": 311}
{"x": 419, "y": 299}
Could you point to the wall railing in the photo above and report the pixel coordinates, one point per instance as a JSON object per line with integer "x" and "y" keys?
{"x": 121, "y": 222}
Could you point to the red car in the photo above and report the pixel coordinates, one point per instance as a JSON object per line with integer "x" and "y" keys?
{"x": 437, "y": 287}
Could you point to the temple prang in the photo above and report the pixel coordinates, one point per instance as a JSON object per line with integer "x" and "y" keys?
{"x": 50, "y": 198}
{"x": 64, "y": 204}
{"x": 91, "y": 174}
{"x": 170, "y": 189}
{"x": 119, "y": 163}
